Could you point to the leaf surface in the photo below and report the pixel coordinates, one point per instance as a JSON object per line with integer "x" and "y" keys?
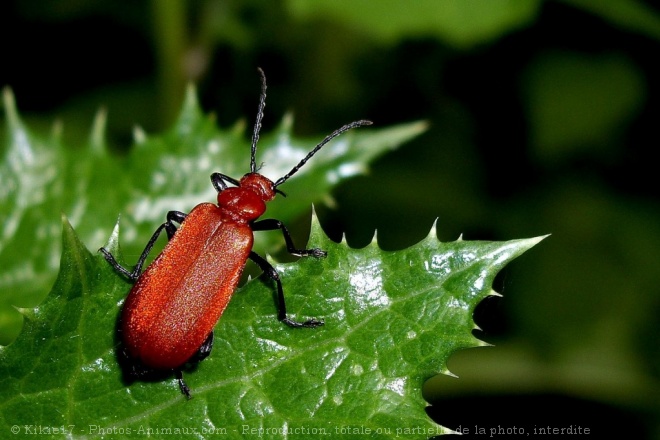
{"x": 392, "y": 319}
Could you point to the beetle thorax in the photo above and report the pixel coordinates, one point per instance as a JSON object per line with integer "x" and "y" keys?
{"x": 247, "y": 202}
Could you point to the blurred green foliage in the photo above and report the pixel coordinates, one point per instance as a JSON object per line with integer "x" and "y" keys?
{"x": 542, "y": 117}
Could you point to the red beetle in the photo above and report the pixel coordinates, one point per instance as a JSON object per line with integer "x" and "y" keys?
{"x": 168, "y": 318}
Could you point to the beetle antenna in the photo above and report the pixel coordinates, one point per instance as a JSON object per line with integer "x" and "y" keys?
{"x": 328, "y": 138}
{"x": 257, "y": 124}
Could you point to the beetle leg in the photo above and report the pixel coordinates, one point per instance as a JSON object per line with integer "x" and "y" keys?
{"x": 182, "y": 385}
{"x": 204, "y": 350}
{"x": 170, "y": 229}
{"x": 271, "y": 224}
{"x": 270, "y": 271}
{"x": 173, "y": 217}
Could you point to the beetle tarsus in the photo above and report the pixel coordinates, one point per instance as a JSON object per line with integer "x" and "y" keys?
{"x": 311, "y": 323}
{"x": 316, "y": 253}
{"x": 182, "y": 384}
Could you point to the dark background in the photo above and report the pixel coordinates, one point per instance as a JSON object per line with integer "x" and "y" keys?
{"x": 543, "y": 119}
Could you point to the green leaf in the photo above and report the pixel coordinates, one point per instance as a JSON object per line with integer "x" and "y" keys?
{"x": 41, "y": 177}
{"x": 392, "y": 319}
{"x": 579, "y": 104}
{"x": 462, "y": 23}
{"x": 634, "y": 15}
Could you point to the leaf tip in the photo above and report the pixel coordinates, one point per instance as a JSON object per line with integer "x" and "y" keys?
{"x": 239, "y": 128}
{"x": 419, "y": 127}
{"x": 494, "y": 293}
{"x": 316, "y": 231}
{"x": 26, "y": 312}
{"x": 190, "y": 111}
{"x": 64, "y": 219}
{"x": 531, "y": 242}
{"x": 542, "y": 237}
{"x": 112, "y": 245}
{"x": 433, "y": 232}
{"x": 190, "y": 100}
{"x": 393, "y": 137}
{"x": 481, "y": 343}
{"x": 9, "y": 101}
{"x": 56, "y": 130}
{"x": 97, "y": 136}
{"x": 139, "y": 135}
{"x": 70, "y": 240}
{"x": 286, "y": 125}
{"x": 314, "y": 217}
